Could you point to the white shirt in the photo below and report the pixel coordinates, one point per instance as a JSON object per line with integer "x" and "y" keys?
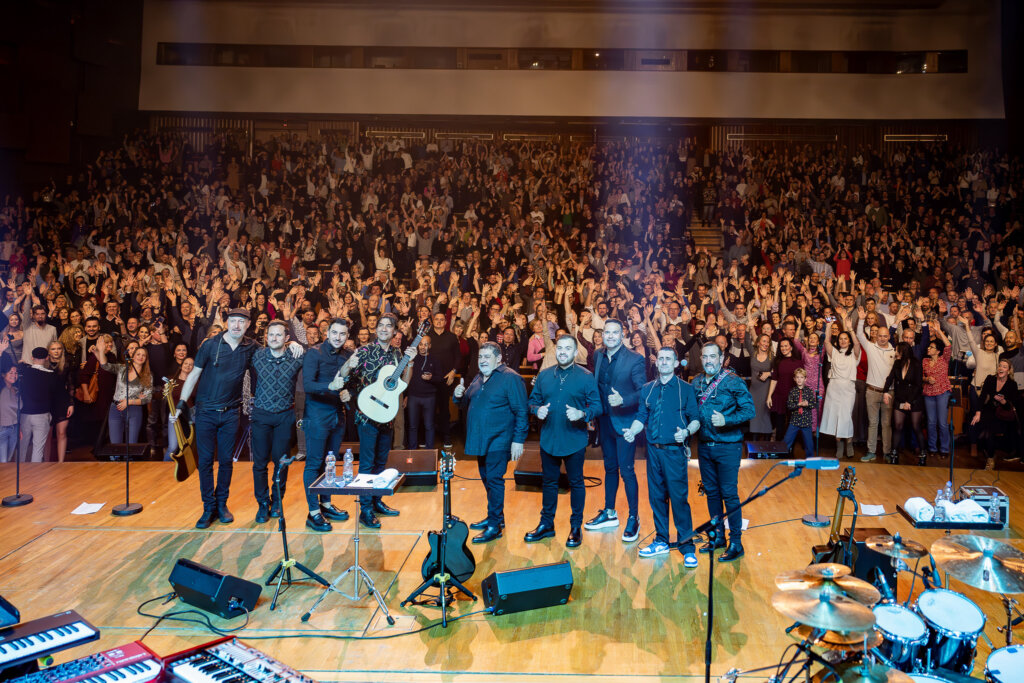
{"x": 880, "y": 360}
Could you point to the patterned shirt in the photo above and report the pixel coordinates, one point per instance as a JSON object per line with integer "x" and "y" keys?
{"x": 800, "y": 416}
{"x": 372, "y": 358}
{"x": 275, "y": 380}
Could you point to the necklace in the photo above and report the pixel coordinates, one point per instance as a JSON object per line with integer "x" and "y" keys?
{"x": 562, "y": 376}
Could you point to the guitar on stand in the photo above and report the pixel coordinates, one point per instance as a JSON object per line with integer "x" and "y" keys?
{"x": 835, "y": 550}
{"x": 185, "y": 457}
{"x": 381, "y": 400}
{"x": 449, "y": 562}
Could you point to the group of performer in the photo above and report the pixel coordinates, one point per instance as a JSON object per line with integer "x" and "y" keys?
{"x": 564, "y": 398}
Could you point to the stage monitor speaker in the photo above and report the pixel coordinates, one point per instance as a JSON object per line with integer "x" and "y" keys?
{"x": 868, "y": 559}
{"x": 213, "y": 591}
{"x": 419, "y": 465}
{"x": 529, "y": 588}
{"x": 528, "y": 471}
{"x": 767, "y": 449}
{"x": 9, "y": 614}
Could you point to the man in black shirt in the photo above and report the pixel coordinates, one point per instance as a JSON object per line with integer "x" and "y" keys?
{"x": 424, "y": 385}
{"x": 221, "y": 362}
{"x": 444, "y": 349}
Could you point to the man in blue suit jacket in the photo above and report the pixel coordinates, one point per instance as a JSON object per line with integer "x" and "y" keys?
{"x": 496, "y": 428}
{"x": 620, "y": 375}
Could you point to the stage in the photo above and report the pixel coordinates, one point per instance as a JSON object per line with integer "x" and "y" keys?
{"x": 629, "y": 618}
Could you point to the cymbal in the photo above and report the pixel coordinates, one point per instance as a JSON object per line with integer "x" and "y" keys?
{"x": 827, "y": 570}
{"x": 981, "y": 562}
{"x": 834, "y": 640}
{"x": 822, "y": 610}
{"x": 863, "y": 673}
{"x": 850, "y": 586}
{"x": 894, "y": 546}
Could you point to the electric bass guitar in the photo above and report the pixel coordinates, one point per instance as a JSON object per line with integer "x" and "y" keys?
{"x": 185, "y": 457}
{"x": 833, "y": 550}
{"x": 458, "y": 560}
{"x": 381, "y": 400}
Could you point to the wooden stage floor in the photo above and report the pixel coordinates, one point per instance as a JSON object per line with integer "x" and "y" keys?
{"x": 629, "y": 618}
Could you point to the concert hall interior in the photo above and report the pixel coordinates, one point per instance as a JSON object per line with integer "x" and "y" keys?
{"x": 493, "y": 341}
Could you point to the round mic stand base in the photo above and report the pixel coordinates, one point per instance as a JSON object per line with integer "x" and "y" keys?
{"x": 815, "y": 520}
{"x": 17, "y": 500}
{"x": 126, "y": 509}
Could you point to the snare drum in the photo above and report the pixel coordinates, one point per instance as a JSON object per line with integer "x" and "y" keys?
{"x": 904, "y": 635}
{"x": 954, "y": 624}
{"x": 1005, "y": 665}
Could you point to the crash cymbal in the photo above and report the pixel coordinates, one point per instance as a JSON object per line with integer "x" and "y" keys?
{"x": 894, "y": 546}
{"x": 834, "y": 640}
{"x": 822, "y": 610}
{"x": 850, "y": 586}
{"x": 981, "y": 562}
{"x": 827, "y": 570}
{"x": 862, "y": 673}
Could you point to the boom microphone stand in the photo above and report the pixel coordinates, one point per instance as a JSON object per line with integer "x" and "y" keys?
{"x": 816, "y": 519}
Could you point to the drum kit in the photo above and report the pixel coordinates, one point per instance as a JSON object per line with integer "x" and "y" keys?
{"x": 860, "y": 634}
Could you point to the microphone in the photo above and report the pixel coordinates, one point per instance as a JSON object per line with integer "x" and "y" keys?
{"x": 878, "y": 578}
{"x": 813, "y": 463}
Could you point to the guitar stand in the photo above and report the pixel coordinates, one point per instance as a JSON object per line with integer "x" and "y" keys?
{"x": 445, "y": 582}
{"x": 283, "y": 571}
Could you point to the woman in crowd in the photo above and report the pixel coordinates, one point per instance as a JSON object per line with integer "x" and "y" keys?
{"x": 904, "y": 391}
{"x": 837, "y": 413}
{"x": 58, "y": 361}
{"x": 15, "y": 337}
{"x": 10, "y": 409}
{"x": 133, "y": 391}
{"x": 787, "y": 360}
{"x": 997, "y": 413}
{"x": 761, "y": 361}
{"x": 936, "y": 390}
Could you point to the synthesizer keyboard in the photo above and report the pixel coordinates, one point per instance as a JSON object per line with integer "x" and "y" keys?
{"x": 130, "y": 663}
{"x": 229, "y": 661}
{"x": 34, "y": 639}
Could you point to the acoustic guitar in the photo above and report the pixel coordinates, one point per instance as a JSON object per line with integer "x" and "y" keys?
{"x": 459, "y": 561}
{"x": 833, "y": 551}
{"x": 185, "y": 457}
{"x": 381, "y": 400}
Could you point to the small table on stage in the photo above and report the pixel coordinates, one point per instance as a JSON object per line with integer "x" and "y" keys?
{"x": 358, "y": 573}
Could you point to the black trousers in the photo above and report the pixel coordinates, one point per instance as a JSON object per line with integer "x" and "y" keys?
{"x": 215, "y": 439}
{"x": 619, "y": 461}
{"x": 321, "y": 436}
{"x": 492, "y": 471}
{"x": 720, "y": 469}
{"x": 551, "y": 466}
{"x": 271, "y": 440}
{"x": 667, "y": 482}
{"x": 374, "y": 447}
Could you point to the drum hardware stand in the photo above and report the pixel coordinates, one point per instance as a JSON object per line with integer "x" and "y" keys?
{"x": 803, "y": 649}
{"x": 1011, "y": 608}
{"x": 816, "y": 520}
{"x": 283, "y": 571}
{"x": 709, "y": 530}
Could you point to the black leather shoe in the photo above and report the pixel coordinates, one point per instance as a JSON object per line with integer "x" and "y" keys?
{"x": 318, "y": 523}
{"x": 383, "y": 510}
{"x": 540, "y": 533}
{"x": 482, "y": 524}
{"x": 263, "y": 514}
{"x": 489, "y": 534}
{"x": 207, "y": 519}
{"x": 330, "y": 512}
{"x": 275, "y": 508}
{"x": 734, "y": 552}
{"x": 224, "y": 515}
{"x": 706, "y": 548}
{"x": 575, "y": 538}
{"x": 368, "y": 519}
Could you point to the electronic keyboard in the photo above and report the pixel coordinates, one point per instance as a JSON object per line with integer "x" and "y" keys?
{"x": 228, "y": 661}
{"x": 39, "y": 637}
{"x": 130, "y": 663}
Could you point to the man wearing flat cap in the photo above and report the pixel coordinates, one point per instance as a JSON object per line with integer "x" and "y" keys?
{"x": 220, "y": 367}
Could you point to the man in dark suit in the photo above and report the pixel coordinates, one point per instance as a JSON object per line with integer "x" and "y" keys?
{"x": 620, "y": 375}
{"x": 496, "y": 428}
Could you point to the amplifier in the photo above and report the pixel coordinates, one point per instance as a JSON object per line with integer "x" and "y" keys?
{"x": 419, "y": 465}
{"x": 528, "y": 471}
{"x": 528, "y": 588}
{"x": 213, "y": 591}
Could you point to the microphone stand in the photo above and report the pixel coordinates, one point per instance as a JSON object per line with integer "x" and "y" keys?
{"x": 19, "y": 498}
{"x": 816, "y": 520}
{"x": 127, "y": 508}
{"x": 709, "y": 531}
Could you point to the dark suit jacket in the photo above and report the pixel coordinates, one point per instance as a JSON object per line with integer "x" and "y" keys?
{"x": 627, "y": 376}
{"x": 496, "y": 414}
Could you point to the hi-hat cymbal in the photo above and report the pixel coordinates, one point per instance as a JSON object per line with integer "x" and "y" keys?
{"x": 981, "y": 562}
{"x": 850, "y": 586}
{"x": 824, "y": 611}
{"x": 827, "y": 570}
{"x": 894, "y": 546}
{"x": 863, "y": 673}
{"x": 834, "y": 640}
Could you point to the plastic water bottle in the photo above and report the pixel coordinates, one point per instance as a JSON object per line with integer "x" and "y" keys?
{"x": 940, "y": 513}
{"x": 346, "y": 472}
{"x": 949, "y": 491}
{"x": 994, "y": 514}
{"x": 330, "y": 469}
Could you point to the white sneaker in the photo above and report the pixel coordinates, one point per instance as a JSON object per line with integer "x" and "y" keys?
{"x": 605, "y": 519}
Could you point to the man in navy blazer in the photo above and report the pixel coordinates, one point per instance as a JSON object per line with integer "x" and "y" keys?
{"x": 496, "y": 428}
{"x": 620, "y": 374}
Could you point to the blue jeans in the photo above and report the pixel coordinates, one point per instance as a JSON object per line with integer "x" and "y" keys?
{"x": 806, "y": 434}
{"x": 937, "y": 408}
{"x": 374, "y": 447}
{"x": 8, "y": 442}
{"x": 421, "y": 409}
{"x": 115, "y": 423}
{"x": 215, "y": 438}
{"x": 719, "y": 469}
{"x": 619, "y": 458}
